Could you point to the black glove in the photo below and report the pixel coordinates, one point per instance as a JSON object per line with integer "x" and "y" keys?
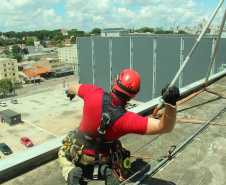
{"x": 171, "y": 96}
{"x": 74, "y": 176}
{"x": 71, "y": 96}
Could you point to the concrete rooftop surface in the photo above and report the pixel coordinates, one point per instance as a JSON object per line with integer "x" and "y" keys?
{"x": 49, "y": 115}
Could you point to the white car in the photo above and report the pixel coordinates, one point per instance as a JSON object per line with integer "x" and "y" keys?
{"x": 14, "y": 101}
{"x": 3, "y": 104}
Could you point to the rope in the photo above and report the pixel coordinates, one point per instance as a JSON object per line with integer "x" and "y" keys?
{"x": 216, "y": 91}
{"x": 190, "y": 97}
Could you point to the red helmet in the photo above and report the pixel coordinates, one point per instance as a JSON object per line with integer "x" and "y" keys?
{"x": 128, "y": 82}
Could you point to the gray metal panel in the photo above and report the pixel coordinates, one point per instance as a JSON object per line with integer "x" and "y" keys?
{"x": 143, "y": 64}
{"x": 198, "y": 64}
{"x": 220, "y": 57}
{"x": 167, "y": 62}
{"x": 102, "y": 64}
{"x": 120, "y": 54}
{"x": 85, "y": 60}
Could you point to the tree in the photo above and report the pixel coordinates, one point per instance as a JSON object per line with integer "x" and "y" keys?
{"x": 53, "y": 42}
{"x": 73, "y": 40}
{"x": 18, "y": 57}
{"x": 182, "y": 32}
{"x": 159, "y": 32}
{"x": 6, "y": 51}
{"x": 43, "y": 43}
{"x": 15, "y": 50}
{"x": 146, "y": 29}
{"x": 30, "y": 41}
{"x": 60, "y": 45}
{"x": 36, "y": 59}
{"x": 6, "y": 86}
{"x": 96, "y": 31}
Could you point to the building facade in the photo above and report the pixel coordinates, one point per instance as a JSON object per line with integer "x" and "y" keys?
{"x": 52, "y": 63}
{"x": 9, "y": 69}
{"x": 69, "y": 56}
{"x": 114, "y": 32}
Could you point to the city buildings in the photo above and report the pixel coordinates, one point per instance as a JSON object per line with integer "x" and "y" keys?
{"x": 69, "y": 56}
{"x": 9, "y": 69}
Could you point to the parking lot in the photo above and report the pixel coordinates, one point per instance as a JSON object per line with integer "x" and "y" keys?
{"x": 45, "y": 116}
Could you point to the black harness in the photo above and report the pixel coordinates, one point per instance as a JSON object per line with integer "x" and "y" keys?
{"x": 109, "y": 115}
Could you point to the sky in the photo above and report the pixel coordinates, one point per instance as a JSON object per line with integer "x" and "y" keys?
{"x": 85, "y": 15}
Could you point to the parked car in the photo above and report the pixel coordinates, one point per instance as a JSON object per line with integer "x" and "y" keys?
{"x": 5, "y": 149}
{"x": 26, "y": 141}
{"x": 3, "y": 104}
{"x": 14, "y": 101}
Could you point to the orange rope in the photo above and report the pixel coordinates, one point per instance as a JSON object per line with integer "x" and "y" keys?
{"x": 190, "y": 97}
{"x": 215, "y": 91}
{"x": 198, "y": 121}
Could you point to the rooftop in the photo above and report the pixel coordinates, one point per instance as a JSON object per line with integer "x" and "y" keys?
{"x": 50, "y": 116}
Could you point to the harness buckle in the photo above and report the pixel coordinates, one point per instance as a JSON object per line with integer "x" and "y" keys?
{"x": 105, "y": 118}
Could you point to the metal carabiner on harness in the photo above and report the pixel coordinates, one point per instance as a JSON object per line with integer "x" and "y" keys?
{"x": 105, "y": 121}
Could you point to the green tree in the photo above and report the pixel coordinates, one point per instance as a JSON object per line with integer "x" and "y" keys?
{"x": 169, "y": 32}
{"x": 53, "y": 42}
{"x": 73, "y": 40}
{"x": 6, "y": 51}
{"x": 60, "y": 45}
{"x": 2, "y": 42}
{"x": 43, "y": 43}
{"x": 6, "y": 86}
{"x": 30, "y": 41}
{"x": 19, "y": 57}
{"x": 36, "y": 59}
{"x": 182, "y": 32}
{"x": 96, "y": 31}
{"x": 15, "y": 50}
{"x": 159, "y": 32}
{"x": 146, "y": 29}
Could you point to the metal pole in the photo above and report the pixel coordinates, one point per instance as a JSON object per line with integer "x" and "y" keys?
{"x": 189, "y": 56}
{"x": 215, "y": 48}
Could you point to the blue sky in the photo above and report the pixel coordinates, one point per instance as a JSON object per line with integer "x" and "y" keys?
{"x": 26, "y": 15}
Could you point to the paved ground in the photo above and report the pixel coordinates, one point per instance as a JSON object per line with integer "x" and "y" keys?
{"x": 202, "y": 162}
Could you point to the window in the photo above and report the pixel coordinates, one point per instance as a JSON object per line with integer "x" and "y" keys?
{"x": 4, "y": 64}
{"x": 13, "y": 74}
{"x": 4, "y": 70}
{"x": 5, "y": 75}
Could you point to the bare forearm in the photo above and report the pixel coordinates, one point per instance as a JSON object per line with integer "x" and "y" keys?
{"x": 73, "y": 88}
{"x": 168, "y": 119}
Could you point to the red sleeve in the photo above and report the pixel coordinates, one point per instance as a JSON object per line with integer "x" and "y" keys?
{"x": 129, "y": 123}
{"x": 134, "y": 124}
{"x": 85, "y": 90}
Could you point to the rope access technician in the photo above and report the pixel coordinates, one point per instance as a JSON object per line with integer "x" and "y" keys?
{"x": 95, "y": 143}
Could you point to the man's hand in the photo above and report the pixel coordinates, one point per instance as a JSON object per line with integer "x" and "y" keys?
{"x": 171, "y": 96}
{"x": 71, "y": 96}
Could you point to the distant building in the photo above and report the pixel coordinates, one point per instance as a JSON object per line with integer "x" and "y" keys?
{"x": 68, "y": 55}
{"x": 9, "y": 69}
{"x": 35, "y": 74}
{"x": 114, "y": 32}
{"x": 203, "y": 24}
{"x": 175, "y": 27}
{"x": 64, "y": 31}
{"x": 52, "y": 63}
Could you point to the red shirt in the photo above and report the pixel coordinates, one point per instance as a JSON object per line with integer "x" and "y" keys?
{"x": 128, "y": 123}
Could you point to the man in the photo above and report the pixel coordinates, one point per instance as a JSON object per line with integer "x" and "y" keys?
{"x": 97, "y": 113}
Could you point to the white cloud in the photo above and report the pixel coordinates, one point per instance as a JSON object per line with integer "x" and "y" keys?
{"x": 26, "y": 15}
{"x": 136, "y": 3}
